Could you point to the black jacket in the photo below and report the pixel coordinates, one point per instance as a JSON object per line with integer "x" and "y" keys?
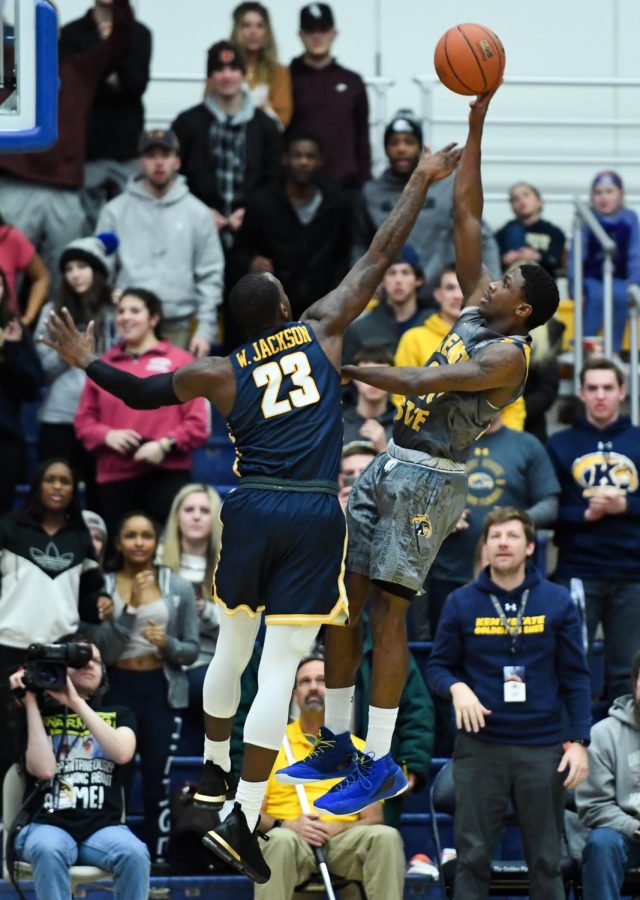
{"x": 20, "y": 379}
{"x": 263, "y": 148}
{"x": 310, "y": 260}
{"x": 118, "y": 114}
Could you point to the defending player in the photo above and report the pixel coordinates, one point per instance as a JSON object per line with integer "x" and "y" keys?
{"x": 410, "y": 498}
{"x": 284, "y": 531}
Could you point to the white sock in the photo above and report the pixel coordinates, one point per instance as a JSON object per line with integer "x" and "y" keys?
{"x": 250, "y": 795}
{"x": 338, "y": 705}
{"x": 218, "y": 753}
{"x": 227, "y": 806}
{"x": 382, "y": 723}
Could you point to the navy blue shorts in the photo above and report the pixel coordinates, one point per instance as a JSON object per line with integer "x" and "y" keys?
{"x": 283, "y": 552}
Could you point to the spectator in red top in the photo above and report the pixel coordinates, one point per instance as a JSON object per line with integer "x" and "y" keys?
{"x": 17, "y": 255}
{"x": 41, "y": 191}
{"x": 143, "y": 457}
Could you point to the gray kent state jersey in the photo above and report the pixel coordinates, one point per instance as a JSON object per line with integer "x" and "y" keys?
{"x": 446, "y": 424}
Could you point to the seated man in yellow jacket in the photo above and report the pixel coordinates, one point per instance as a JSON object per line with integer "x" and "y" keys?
{"x": 357, "y": 847}
{"x": 417, "y": 344}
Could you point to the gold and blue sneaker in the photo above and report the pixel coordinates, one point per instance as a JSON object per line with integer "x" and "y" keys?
{"x": 334, "y": 756}
{"x": 372, "y": 780}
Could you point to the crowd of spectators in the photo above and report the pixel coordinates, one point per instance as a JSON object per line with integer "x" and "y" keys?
{"x": 143, "y": 233}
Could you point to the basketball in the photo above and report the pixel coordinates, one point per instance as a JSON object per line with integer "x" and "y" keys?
{"x": 469, "y": 59}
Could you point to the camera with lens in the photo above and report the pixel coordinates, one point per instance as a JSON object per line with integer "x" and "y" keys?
{"x": 45, "y": 665}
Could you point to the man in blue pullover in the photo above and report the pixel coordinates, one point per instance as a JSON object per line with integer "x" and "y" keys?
{"x": 598, "y": 528}
{"x": 508, "y": 652}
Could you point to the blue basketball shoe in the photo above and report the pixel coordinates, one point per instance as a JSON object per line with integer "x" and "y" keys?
{"x": 334, "y": 756}
{"x": 371, "y": 780}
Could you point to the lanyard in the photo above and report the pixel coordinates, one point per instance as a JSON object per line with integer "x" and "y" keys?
{"x": 514, "y": 631}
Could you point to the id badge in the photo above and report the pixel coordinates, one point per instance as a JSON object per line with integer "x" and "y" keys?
{"x": 515, "y": 688}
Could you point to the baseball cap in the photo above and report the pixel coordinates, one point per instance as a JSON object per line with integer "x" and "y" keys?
{"x": 158, "y": 137}
{"x": 361, "y": 446}
{"x": 224, "y": 53}
{"x": 403, "y": 123}
{"x": 316, "y": 17}
{"x": 407, "y": 254}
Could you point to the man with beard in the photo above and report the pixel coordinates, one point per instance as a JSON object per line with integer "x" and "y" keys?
{"x": 299, "y": 230}
{"x": 168, "y": 244}
{"x": 432, "y": 235}
{"x": 356, "y": 846}
{"x": 608, "y": 800}
{"x": 508, "y": 652}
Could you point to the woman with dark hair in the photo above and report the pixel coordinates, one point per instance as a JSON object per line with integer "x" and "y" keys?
{"x": 269, "y": 82}
{"x": 143, "y": 456}
{"x": 20, "y": 380}
{"x": 17, "y": 255}
{"x": 50, "y": 579}
{"x": 150, "y": 639}
{"x": 84, "y": 290}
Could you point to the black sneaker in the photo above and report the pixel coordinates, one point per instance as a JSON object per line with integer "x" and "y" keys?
{"x": 214, "y": 787}
{"x": 232, "y": 841}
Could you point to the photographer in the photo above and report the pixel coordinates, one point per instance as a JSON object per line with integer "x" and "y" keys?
{"x": 81, "y": 751}
{"x": 50, "y": 580}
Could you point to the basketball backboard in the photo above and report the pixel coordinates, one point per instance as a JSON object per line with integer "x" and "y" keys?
{"x": 28, "y": 75}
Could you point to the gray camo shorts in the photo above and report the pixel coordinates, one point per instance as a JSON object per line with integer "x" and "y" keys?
{"x": 398, "y": 515}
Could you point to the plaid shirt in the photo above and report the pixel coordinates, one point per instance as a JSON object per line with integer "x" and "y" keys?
{"x": 228, "y": 153}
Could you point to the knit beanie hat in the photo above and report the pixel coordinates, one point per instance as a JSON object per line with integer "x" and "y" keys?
{"x": 93, "y": 520}
{"x": 404, "y": 122}
{"x": 92, "y": 250}
{"x": 608, "y": 178}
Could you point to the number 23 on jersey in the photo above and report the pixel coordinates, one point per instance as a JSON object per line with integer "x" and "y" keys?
{"x": 270, "y": 376}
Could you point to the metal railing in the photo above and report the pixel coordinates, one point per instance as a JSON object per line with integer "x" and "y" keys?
{"x": 633, "y": 295}
{"x": 584, "y": 215}
{"x": 378, "y": 89}
{"x": 426, "y": 84}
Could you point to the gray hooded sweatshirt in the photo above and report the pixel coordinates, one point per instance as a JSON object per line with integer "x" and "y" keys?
{"x": 432, "y": 235}
{"x": 610, "y": 796}
{"x": 170, "y": 246}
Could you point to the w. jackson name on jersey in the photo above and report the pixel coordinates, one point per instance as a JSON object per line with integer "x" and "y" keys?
{"x": 446, "y": 424}
{"x": 286, "y": 421}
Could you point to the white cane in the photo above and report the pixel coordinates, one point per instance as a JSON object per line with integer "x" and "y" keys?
{"x": 318, "y": 852}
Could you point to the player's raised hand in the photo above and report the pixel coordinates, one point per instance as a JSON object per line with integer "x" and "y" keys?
{"x": 76, "y": 348}
{"x": 480, "y": 105}
{"x": 441, "y": 164}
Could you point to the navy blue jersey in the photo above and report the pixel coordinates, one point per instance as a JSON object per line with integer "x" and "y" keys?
{"x": 286, "y": 421}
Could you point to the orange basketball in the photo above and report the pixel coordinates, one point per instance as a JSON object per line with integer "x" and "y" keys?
{"x": 469, "y": 59}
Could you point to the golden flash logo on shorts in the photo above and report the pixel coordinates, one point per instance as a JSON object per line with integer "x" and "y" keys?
{"x": 422, "y": 526}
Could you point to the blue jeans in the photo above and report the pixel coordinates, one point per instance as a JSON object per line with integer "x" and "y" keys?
{"x": 594, "y": 309}
{"x": 51, "y": 851}
{"x": 605, "y": 858}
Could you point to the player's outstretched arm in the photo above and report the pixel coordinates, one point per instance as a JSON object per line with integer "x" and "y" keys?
{"x": 211, "y": 377}
{"x": 468, "y": 202}
{"x": 499, "y": 367}
{"x": 339, "y": 308}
